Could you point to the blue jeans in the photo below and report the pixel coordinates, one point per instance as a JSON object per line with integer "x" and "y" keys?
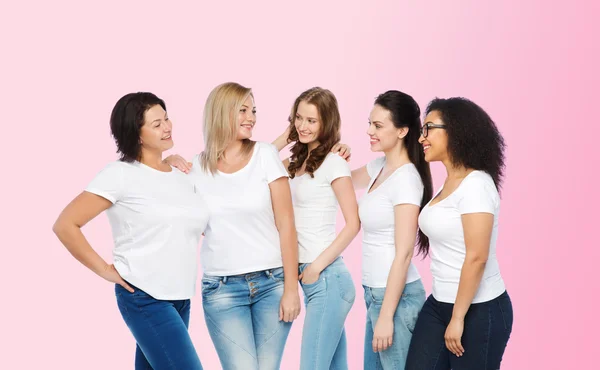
{"x": 486, "y": 331}
{"x": 328, "y": 301}
{"x": 405, "y": 319}
{"x": 160, "y": 329}
{"x": 242, "y": 317}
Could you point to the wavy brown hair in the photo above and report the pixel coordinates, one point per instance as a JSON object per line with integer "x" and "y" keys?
{"x": 329, "y": 132}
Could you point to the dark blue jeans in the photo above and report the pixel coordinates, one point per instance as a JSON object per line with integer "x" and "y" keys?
{"x": 487, "y": 328}
{"x": 160, "y": 329}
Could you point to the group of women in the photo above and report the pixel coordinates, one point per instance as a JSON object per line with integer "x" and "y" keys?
{"x": 269, "y": 225}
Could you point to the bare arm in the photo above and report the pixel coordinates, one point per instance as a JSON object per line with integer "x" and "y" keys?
{"x": 405, "y": 234}
{"x": 281, "y": 199}
{"x": 282, "y": 140}
{"x": 478, "y": 233}
{"x": 67, "y": 228}
{"x": 344, "y": 193}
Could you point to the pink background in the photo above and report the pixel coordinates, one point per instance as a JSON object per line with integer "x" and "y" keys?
{"x": 531, "y": 65}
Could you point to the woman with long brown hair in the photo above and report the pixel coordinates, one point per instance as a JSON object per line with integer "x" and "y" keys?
{"x": 320, "y": 180}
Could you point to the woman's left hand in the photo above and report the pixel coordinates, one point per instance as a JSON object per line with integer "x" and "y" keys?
{"x": 453, "y": 335}
{"x": 309, "y": 275}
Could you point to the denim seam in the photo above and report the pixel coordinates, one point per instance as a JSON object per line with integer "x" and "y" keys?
{"x": 268, "y": 339}
{"x": 437, "y": 358}
{"x": 321, "y": 323}
{"x": 227, "y": 337}
{"x": 120, "y": 297}
{"x": 341, "y": 288}
{"x": 487, "y": 344}
{"x": 503, "y": 316}
{"x": 145, "y": 315}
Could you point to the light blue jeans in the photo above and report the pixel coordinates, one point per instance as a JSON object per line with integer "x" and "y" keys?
{"x": 242, "y": 317}
{"x": 405, "y": 319}
{"x": 328, "y": 302}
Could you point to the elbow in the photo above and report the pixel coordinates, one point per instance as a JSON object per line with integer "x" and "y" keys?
{"x": 287, "y": 229}
{"x": 405, "y": 256}
{"x": 61, "y": 227}
{"x": 58, "y": 227}
{"x": 353, "y": 226}
{"x": 476, "y": 260}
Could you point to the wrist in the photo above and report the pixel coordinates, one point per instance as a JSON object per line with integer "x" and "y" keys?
{"x": 290, "y": 288}
{"x": 101, "y": 268}
{"x": 458, "y": 317}
{"x": 386, "y": 316}
{"x": 317, "y": 266}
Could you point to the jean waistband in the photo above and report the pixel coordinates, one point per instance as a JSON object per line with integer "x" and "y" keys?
{"x": 338, "y": 262}
{"x": 246, "y": 276}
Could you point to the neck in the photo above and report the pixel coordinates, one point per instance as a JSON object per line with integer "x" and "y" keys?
{"x": 454, "y": 171}
{"x": 396, "y": 157}
{"x": 233, "y": 149}
{"x": 152, "y": 159}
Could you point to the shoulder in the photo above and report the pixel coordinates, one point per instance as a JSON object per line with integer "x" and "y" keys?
{"x": 263, "y": 147}
{"x": 478, "y": 181}
{"x": 374, "y": 166}
{"x": 479, "y": 185}
{"x": 334, "y": 160}
{"x": 117, "y": 168}
{"x": 409, "y": 173}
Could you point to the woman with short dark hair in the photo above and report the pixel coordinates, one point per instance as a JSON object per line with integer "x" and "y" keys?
{"x": 157, "y": 219}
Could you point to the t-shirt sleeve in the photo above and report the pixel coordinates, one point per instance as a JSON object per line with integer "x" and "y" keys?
{"x": 374, "y": 166}
{"x": 477, "y": 195}
{"x": 336, "y": 167}
{"x": 271, "y": 162}
{"x": 407, "y": 189}
{"x": 108, "y": 183}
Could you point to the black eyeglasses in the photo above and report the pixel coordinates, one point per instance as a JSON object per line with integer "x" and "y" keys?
{"x": 425, "y": 128}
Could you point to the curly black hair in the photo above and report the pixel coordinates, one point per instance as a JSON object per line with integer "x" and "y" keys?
{"x": 126, "y": 121}
{"x": 474, "y": 141}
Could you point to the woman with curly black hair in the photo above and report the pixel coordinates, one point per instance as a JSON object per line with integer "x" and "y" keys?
{"x": 467, "y": 320}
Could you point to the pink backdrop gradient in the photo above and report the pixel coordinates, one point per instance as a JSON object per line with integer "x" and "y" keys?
{"x": 531, "y": 65}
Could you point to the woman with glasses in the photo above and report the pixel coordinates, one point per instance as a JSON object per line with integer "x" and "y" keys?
{"x": 467, "y": 321}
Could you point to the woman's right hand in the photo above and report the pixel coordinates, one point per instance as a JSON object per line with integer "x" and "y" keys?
{"x": 178, "y": 162}
{"x": 110, "y": 274}
{"x": 343, "y": 150}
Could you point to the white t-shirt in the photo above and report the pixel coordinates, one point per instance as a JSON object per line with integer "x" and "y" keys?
{"x": 376, "y": 211}
{"x": 156, "y": 220}
{"x": 315, "y": 207}
{"x": 443, "y": 225}
{"x": 241, "y": 235}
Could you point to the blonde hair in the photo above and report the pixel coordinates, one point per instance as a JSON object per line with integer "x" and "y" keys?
{"x": 220, "y": 123}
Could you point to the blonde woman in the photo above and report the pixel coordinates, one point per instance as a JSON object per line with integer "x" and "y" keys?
{"x": 250, "y": 250}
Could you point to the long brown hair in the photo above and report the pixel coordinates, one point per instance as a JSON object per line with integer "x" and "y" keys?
{"x": 329, "y": 133}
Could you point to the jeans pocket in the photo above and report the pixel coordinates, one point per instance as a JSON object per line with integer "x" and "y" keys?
{"x": 409, "y": 308}
{"x": 346, "y": 287}
{"x": 210, "y": 287}
{"x": 506, "y": 311}
{"x": 277, "y": 274}
{"x": 121, "y": 301}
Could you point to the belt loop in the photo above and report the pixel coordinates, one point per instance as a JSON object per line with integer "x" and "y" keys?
{"x": 268, "y": 272}
{"x": 224, "y": 279}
